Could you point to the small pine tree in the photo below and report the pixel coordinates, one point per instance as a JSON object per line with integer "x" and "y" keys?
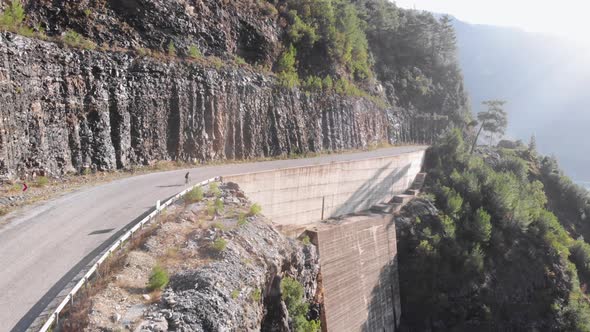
{"x": 158, "y": 279}
{"x": 533, "y": 143}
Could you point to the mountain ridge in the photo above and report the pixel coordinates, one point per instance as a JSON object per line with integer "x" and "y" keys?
{"x": 542, "y": 77}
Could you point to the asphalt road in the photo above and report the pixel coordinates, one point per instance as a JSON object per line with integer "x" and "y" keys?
{"x": 47, "y": 245}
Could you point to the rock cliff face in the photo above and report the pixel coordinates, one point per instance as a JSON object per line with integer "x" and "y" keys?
{"x": 62, "y": 109}
{"x": 246, "y": 28}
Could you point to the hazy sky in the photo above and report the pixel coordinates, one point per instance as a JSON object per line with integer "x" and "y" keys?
{"x": 566, "y": 18}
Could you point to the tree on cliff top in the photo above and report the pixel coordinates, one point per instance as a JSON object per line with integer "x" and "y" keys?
{"x": 493, "y": 121}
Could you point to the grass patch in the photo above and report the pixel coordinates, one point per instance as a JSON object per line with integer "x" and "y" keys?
{"x": 219, "y": 245}
{"x": 15, "y": 188}
{"x": 214, "y": 189}
{"x": 305, "y": 240}
{"x": 256, "y": 295}
{"x": 211, "y": 209}
{"x": 13, "y": 16}
{"x": 74, "y": 39}
{"x": 216, "y": 62}
{"x": 41, "y": 181}
{"x": 235, "y": 293}
{"x": 195, "y": 195}
{"x": 171, "y": 49}
{"x": 240, "y": 61}
{"x": 194, "y": 52}
{"x": 164, "y": 165}
{"x": 141, "y": 51}
{"x": 255, "y": 209}
{"x": 218, "y": 205}
{"x": 158, "y": 279}
{"x": 242, "y": 221}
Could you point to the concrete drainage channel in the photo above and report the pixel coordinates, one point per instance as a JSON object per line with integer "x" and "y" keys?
{"x": 53, "y": 318}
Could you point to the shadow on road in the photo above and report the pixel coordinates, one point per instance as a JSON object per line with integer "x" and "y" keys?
{"x": 101, "y": 231}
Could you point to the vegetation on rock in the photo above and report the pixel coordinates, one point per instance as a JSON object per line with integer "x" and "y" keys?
{"x": 292, "y": 294}
{"x": 158, "y": 279}
{"x": 195, "y": 195}
{"x": 494, "y": 257}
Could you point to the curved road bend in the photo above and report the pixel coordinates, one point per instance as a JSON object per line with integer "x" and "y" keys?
{"x": 46, "y": 246}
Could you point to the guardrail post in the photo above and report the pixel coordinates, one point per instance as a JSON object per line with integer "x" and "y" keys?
{"x": 158, "y": 205}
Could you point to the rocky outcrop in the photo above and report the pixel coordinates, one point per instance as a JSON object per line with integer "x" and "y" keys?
{"x": 239, "y": 292}
{"x": 62, "y": 109}
{"x": 248, "y": 29}
{"x": 239, "y": 289}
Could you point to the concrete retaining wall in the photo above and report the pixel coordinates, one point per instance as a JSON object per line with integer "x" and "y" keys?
{"x": 299, "y": 196}
{"x": 358, "y": 266}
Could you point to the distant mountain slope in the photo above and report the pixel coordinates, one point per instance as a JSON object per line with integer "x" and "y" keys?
{"x": 545, "y": 81}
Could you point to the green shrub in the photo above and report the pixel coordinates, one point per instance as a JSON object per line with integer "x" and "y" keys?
{"x": 301, "y": 32}
{"x": 211, "y": 208}
{"x": 25, "y": 31}
{"x": 216, "y": 62}
{"x": 287, "y": 73}
{"x": 214, "y": 189}
{"x": 142, "y": 51}
{"x": 74, "y": 39}
{"x": 194, "y": 52}
{"x": 450, "y": 200}
{"x": 240, "y": 61}
{"x": 288, "y": 79}
{"x": 41, "y": 181}
{"x": 171, "y": 49}
{"x": 268, "y": 9}
{"x": 292, "y": 294}
{"x": 195, "y": 195}
{"x": 242, "y": 221}
{"x": 256, "y": 295}
{"x": 305, "y": 240}
{"x": 255, "y": 209}
{"x": 219, "y": 245}
{"x": 13, "y": 16}
{"x": 218, "y": 205}
{"x": 481, "y": 226}
{"x": 87, "y": 12}
{"x": 235, "y": 293}
{"x": 313, "y": 83}
{"x": 158, "y": 279}
{"x": 328, "y": 83}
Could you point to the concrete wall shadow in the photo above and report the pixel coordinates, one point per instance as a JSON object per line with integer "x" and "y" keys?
{"x": 384, "y": 308}
{"x": 373, "y": 191}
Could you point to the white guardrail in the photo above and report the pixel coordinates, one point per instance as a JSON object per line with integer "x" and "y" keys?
{"x": 54, "y": 317}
